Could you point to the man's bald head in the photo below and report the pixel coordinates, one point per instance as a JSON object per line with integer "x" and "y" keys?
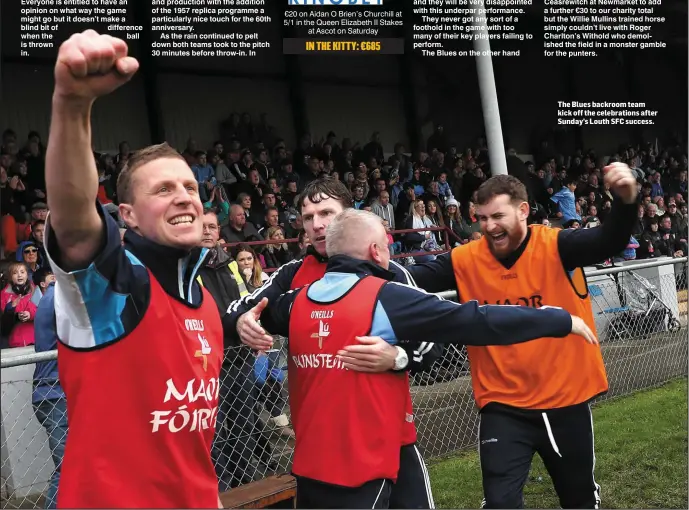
{"x": 360, "y": 235}
{"x": 237, "y": 216}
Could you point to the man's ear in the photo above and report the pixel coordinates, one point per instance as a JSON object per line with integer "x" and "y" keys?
{"x": 524, "y": 210}
{"x": 374, "y": 252}
{"x": 128, "y": 215}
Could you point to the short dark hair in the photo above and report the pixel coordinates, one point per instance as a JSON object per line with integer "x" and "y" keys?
{"x": 210, "y": 210}
{"x": 502, "y": 185}
{"x": 329, "y": 187}
{"x": 40, "y": 274}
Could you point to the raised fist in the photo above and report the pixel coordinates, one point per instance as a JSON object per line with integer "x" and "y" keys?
{"x": 90, "y": 65}
{"x": 620, "y": 179}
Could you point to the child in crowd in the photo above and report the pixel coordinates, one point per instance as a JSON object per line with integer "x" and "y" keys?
{"x": 18, "y": 305}
{"x": 566, "y": 201}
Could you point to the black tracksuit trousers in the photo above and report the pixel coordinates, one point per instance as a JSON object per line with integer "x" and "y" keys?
{"x": 508, "y": 439}
{"x": 315, "y": 494}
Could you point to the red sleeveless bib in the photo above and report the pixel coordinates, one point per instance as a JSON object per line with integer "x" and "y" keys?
{"x": 142, "y": 412}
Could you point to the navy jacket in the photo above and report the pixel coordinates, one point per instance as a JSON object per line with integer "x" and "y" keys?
{"x": 422, "y": 354}
{"x": 405, "y": 314}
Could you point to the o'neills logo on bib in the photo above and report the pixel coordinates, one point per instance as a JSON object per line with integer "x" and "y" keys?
{"x": 322, "y": 314}
{"x": 190, "y": 415}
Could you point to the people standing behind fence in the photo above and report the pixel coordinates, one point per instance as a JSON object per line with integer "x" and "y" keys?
{"x": 237, "y": 431}
{"x": 18, "y": 302}
{"x": 268, "y": 378}
{"x": 48, "y": 398}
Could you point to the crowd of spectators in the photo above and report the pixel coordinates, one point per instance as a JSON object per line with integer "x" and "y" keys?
{"x": 251, "y": 179}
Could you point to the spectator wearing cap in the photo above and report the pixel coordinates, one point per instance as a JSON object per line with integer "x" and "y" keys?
{"x": 455, "y": 222}
{"x": 28, "y": 253}
{"x": 37, "y": 236}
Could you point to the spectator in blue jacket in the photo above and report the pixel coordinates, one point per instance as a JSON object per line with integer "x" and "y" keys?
{"x": 49, "y": 404}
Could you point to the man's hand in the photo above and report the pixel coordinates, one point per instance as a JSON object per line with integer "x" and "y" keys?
{"x": 620, "y": 179}
{"x": 372, "y": 354}
{"x": 251, "y": 332}
{"x": 580, "y": 328}
{"x": 23, "y": 316}
{"x": 90, "y": 65}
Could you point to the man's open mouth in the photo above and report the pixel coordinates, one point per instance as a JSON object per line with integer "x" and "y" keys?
{"x": 183, "y": 219}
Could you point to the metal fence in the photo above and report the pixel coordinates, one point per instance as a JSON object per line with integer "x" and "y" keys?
{"x": 641, "y": 318}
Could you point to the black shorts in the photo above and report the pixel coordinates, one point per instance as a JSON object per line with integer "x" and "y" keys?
{"x": 508, "y": 439}
{"x": 314, "y": 494}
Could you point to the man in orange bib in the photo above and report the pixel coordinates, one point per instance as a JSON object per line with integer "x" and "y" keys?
{"x": 534, "y": 397}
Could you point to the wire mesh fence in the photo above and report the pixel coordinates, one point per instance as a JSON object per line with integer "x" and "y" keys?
{"x": 641, "y": 319}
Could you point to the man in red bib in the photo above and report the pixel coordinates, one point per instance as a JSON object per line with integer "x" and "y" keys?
{"x": 141, "y": 343}
{"x": 320, "y": 202}
{"x": 349, "y": 424}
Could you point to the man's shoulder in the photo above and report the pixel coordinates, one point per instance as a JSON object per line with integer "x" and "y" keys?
{"x": 402, "y": 274}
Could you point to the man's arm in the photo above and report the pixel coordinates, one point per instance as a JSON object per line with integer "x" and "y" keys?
{"x": 436, "y": 275}
{"x": 275, "y": 316}
{"x": 590, "y": 246}
{"x": 88, "y": 66}
{"x": 412, "y": 314}
{"x": 106, "y": 300}
{"x": 422, "y": 355}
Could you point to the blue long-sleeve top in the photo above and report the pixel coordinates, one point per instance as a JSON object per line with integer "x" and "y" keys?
{"x": 45, "y": 377}
{"x": 405, "y": 313}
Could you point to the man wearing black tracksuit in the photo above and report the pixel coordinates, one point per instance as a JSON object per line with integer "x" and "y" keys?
{"x": 413, "y": 488}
